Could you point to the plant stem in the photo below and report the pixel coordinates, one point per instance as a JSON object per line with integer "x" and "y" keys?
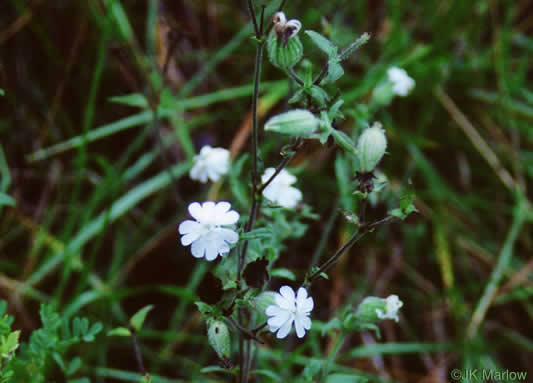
{"x": 363, "y": 230}
{"x": 246, "y": 333}
{"x": 295, "y": 76}
{"x": 255, "y": 148}
{"x": 322, "y": 74}
{"x": 254, "y": 20}
{"x": 137, "y": 351}
{"x": 282, "y": 164}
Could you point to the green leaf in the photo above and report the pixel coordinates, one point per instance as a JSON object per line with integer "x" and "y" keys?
{"x": 2, "y": 93}
{"x": 267, "y": 373}
{"x": 298, "y": 96}
{"x": 135, "y": 99}
{"x": 79, "y": 380}
{"x": 59, "y": 360}
{"x": 334, "y": 111}
{"x": 138, "y": 318}
{"x": 73, "y": 366}
{"x": 204, "y": 308}
{"x": 283, "y": 273}
{"x": 119, "y": 331}
{"x": 335, "y": 71}
{"x": 208, "y": 369}
{"x": 319, "y": 94}
{"x": 312, "y": 369}
{"x": 7, "y": 200}
{"x": 90, "y": 333}
{"x": 9, "y": 344}
{"x": 344, "y": 141}
{"x": 345, "y": 378}
{"x": 262, "y": 232}
{"x": 322, "y": 43}
{"x": 333, "y": 324}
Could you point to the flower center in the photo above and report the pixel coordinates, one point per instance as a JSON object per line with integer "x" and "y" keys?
{"x": 207, "y": 227}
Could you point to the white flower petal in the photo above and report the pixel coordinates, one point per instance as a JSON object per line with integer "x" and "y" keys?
{"x": 198, "y": 248}
{"x": 287, "y": 292}
{"x": 301, "y": 298}
{"x": 284, "y": 303}
{"x": 188, "y": 226}
{"x": 211, "y": 251}
{"x": 280, "y": 319}
{"x": 273, "y": 310}
{"x": 284, "y": 330}
{"x": 223, "y": 248}
{"x": 221, "y": 208}
{"x": 267, "y": 174}
{"x": 210, "y": 163}
{"x": 196, "y": 211}
{"x": 305, "y": 321}
{"x": 279, "y": 190}
{"x": 227, "y": 235}
{"x": 208, "y": 208}
{"x": 290, "y": 197}
{"x": 300, "y": 331}
{"x": 307, "y": 306}
{"x": 187, "y": 239}
{"x": 229, "y": 218}
{"x": 213, "y": 174}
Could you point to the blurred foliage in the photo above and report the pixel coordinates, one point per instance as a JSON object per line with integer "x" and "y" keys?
{"x": 91, "y": 190}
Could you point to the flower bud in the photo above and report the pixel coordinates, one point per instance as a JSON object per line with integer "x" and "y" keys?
{"x": 284, "y": 54}
{"x": 219, "y": 339}
{"x": 374, "y": 309}
{"x": 371, "y": 147}
{"x": 297, "y": 122}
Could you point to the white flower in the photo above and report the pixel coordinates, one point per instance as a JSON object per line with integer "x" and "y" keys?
{"x": 393, "y": 304}
{"x": 211, "y": 163}
{"x": 279, "y": 190}
{"x": 402, "y": 84}
{"x": 289, "y": 309}
{"x": 206, "y": 235}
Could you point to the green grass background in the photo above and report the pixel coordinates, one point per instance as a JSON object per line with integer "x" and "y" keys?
{"x": 99, "y": 188}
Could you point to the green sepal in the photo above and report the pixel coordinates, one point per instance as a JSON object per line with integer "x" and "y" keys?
{"x": 284, "y": 57}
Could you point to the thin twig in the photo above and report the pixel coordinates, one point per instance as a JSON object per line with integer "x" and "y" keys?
{"x": 295, "y": 76}
{"x": 363, "y": 230}
{"x": 246, "y": 333}
{"x": 281, "y": 166}
{"x": 254, "y": 20}
{"x": 322, "y": 74}
{"x": 137, "y": 351}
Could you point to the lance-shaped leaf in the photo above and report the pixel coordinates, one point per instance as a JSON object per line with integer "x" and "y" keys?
{"x": 322, "y": 43}
{"x": 138, "y": 318}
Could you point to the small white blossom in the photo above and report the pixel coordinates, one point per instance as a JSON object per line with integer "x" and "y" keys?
{"x": 280, "y": 190}
{"x": 290, "y": 309}
{"x": 211, "y": 163}
{"x": 206, "y": 235}
{"x": 402, "y": 84}
{"x": 393, "y": 304}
